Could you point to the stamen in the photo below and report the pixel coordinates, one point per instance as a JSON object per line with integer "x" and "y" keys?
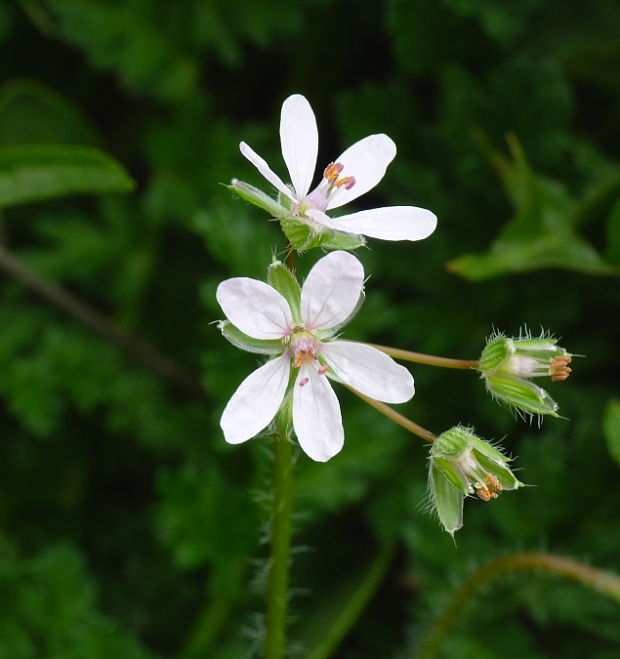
{"x": 304, "y": 382}
{"x": 560, "y": 369}
{"x": 332, "y": 171}
{"x": 348, "y": 182}
{"x": 323, "y": 370}
{"x": 493, "y": 486}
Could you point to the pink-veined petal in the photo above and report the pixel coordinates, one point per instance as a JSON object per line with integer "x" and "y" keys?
{"x": 370, "y": 371}
{"x": 367, "y": 161}
{"x": 388, "y": 223}
{"x": 256, "y": 402}
{"x": 255, "y": 308}
{"x": 331, "y": 290}
{"x": 299, "y": 138}
{"x": 316, "y": 416}
{"x": 264, "y": 169}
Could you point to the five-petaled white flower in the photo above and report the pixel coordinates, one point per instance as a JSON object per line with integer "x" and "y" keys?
{"x": 302, "y": 335}
{"x": 352, "y": 174}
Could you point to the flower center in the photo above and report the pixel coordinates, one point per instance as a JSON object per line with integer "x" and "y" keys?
{"x": 325, "y": 191}
{"x": 303, "y": 348}
{"x": 331, "y": 174}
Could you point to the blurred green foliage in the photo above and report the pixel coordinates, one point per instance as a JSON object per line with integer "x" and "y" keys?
{"x": 129, "y": 528}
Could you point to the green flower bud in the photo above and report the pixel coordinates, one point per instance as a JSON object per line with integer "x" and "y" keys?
{"x": 461, "y": 465}
{"x": 508, "y": 364}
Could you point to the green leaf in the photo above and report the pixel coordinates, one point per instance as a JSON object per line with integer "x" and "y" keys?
{"x": 611, "y": 428}
{"x": 540, "y": 235}
{"x": 40, "y": 171}
{"x": 32, "y": 113}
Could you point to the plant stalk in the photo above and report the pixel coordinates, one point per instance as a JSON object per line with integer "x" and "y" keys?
{"x": 430, "y": 360}
{"x": 398, "y": 418}
{"x": 280, "y": 560}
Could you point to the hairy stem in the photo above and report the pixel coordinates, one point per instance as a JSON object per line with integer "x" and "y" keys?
{"x": 95, "y": 320}
{"x": 605, "y": 582}
{"x": 280, "y": 560}
{"x": 356, "y": 605}
{"x": 398, "y": 418}
{"x": 430, "y": 360}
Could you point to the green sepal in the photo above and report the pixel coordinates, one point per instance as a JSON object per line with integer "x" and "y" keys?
{"x": 505, "y": 476}
{"x": 348, "y": 241}
{"x": 284, "y": 417}
{"x": 300, "y": 235}
{"x": 521, "y": 394}
{"x": 452, "y": 442}
{"x": 492, "y": 453}
{"x": 447, "y": 500}
{"x": 543, "y": 349}
{"x": 283, "y": 280}
{"x": 247, "y": 343}
{"x": 257, "y": 197}
{"x": 447, "y": 468}
{"x": 495, "y": 353}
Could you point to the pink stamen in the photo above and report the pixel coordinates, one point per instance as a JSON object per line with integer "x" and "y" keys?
{"x": 347, "y": 182}
{"x": 304, "y": 382}
{"x": 323, "y": 370}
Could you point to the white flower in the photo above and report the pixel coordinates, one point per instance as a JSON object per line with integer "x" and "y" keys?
{"x": 352, "y": 174}
{"x": 302, "y": 335}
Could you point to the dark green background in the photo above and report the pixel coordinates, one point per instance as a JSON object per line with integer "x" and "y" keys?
{"x": 128, "y": 528}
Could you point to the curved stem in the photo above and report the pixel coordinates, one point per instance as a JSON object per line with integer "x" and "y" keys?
{"x": 95, "y": 320}
{"x": 395, "y": 416}
{"x": 605, "y": 582}
{"x": 430, "y": 360}
{"x": 356, "y": 605}
{"x": 280, "y": 560}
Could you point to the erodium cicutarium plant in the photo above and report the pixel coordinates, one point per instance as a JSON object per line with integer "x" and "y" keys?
{"x": 300, "y": 330}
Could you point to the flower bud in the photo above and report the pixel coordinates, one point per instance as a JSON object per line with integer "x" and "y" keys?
{"x": 461, "y": 465}
{"x": 508, "y": 364}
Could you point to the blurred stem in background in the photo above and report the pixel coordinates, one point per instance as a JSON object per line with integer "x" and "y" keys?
{"x": 355, "y": 606}
{"x": 605, "y": 582}
{"x": 95, "y": 320}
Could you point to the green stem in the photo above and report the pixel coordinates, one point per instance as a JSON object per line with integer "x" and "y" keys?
{"x": 356, "y": 605}
{"x": 395, "y": 416}
{"x": 605, "y": 582}
{"x": 280, "y": 561}
{"x": 430, "y": 360}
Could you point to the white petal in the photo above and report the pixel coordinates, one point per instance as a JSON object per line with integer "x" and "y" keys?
{"x": 255, "y": 308}
{"x": 367, "y": 161}
{"x": 332, "y": 290}
{"x": 255, "y": 403}
{"x": 370, "y": 371}
{"x": 264, "y": 169}
{"x": 316, "y": 416}
{"x": 299, "y": 138}
{"x": 388, "y": 223}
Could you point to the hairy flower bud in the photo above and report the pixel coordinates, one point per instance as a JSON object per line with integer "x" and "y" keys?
{"x": 461, "y": 465}
{"x": 507, "y": 366}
